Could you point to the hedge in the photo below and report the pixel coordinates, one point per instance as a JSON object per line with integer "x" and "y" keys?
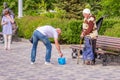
{"x": 71, "y": 29}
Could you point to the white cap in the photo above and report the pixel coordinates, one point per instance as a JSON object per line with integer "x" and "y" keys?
{"x": 87, "y": 11}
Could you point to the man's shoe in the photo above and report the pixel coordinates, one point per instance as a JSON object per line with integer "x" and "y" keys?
{"x": 32, "y": 63}
{"x": 48, "y": 63}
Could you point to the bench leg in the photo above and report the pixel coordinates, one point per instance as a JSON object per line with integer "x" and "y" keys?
{"x": 74, "y": 53}
{"x": 104, "y": 59}
{"x": 118, "y": 59}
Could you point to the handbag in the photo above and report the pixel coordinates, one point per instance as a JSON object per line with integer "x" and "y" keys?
{"x": 14, "y": 27}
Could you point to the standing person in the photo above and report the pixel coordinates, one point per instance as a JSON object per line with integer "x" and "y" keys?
{"x": 44, "y": 33}
{"x": 6, "y": 23}
{"x": 5, "y": 6}
{"x": 90, "y": 34}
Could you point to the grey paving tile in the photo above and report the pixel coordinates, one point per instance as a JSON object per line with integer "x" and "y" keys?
{"x": 15, "y": 65}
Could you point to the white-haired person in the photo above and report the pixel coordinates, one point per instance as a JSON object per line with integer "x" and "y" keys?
{"x": 89, "y": 33}
{"x": 43, "y": 33}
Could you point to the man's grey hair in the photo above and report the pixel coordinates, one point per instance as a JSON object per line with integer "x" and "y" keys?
{"x": 58, "y": 30}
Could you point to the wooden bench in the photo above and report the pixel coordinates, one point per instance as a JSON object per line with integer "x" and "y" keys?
{"x": 108, "y": 47}
{"x": 105, "y": 47}
{"x": 76, "y": 51}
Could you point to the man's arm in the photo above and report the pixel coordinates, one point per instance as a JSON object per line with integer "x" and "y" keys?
{"x": 58, "y": 47}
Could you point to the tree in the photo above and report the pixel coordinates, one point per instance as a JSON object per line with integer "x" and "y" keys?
{"x": 38, "y": 6}
{"x": 74, "y": 7}
{"x": 13, "y": 4}
{"x": 110, "y": 7}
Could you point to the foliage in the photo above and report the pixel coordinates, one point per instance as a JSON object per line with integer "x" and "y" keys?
{"x": 112, "y": 29}
{"x": 12, "y": 4}
{"x": 70, "y": 28}
{"x": 36, "y": 7}
{"x": 27, "y": 25}
{"x": 110, "y": 7}
{"x": 67, "y": 14}
{"x": 30, "y": 7}
{"x": 107, "y": 23}
{"x": 57, "y": 13}
{"x": 74, "y": 8}
{"x": 115, "y": 33}
{"x": 94, "y": 6}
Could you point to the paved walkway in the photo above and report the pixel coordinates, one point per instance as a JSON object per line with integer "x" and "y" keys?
{"x": 15, "y": 65}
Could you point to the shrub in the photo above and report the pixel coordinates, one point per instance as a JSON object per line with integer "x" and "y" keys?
{"x": 114, "y": 31}
{"x": 109, "y": 23}
{"x": 71, "y": 29}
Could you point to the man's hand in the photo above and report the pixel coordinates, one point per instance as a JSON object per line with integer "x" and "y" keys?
{"x": 61, "y": 54}
{"x": 58, "y": 47}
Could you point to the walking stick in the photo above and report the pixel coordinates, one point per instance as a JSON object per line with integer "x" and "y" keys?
{"x": 78, "y": 54}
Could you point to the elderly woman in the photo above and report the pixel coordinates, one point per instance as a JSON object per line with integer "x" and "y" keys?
{"x": 90, "y": 34}
{"x": 6, "y": 23}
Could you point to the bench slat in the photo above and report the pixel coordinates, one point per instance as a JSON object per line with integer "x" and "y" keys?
{"x": 108, "y": 43}
{"x": 76, "y": 47}
{"x": 108, "y": 48}
{"x": 106, "y": 52}
{"x": 108, "y": 37}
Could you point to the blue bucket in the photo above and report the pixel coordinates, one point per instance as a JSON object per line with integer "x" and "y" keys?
{"x": 61, "y": 61}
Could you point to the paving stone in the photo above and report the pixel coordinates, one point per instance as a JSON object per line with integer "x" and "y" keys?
{"x": 15, "y": 65}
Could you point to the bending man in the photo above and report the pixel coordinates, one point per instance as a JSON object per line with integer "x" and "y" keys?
{"x": 44, "y": 33}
